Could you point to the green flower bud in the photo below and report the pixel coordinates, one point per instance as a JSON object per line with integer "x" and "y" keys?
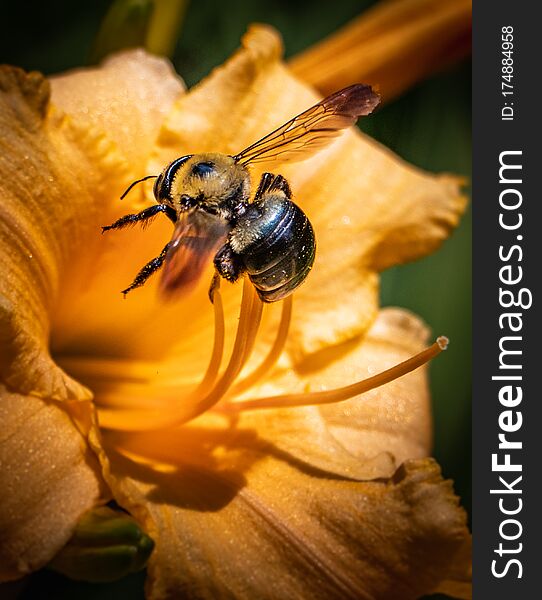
{"x": 105, "y": 546}
{"x": 151, "y": 24}
{"x": 124, "y": 26}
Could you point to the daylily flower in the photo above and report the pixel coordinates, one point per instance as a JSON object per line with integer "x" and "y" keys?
{"x": 318, "y": 501}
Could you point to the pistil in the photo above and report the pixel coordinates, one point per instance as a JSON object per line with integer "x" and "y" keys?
{"x": 342, "y": 393}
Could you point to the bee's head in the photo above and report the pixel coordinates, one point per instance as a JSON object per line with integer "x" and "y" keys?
{"x": 212, "y": 181}
{"x": 163, "y": 186}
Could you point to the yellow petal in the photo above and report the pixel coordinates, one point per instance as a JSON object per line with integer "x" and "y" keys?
{"x": 397, "y": 417}
{"x": 391, "y": 46}
{"x": 126, "y": 98}
{"x": 369, "y": 209}
{"x": 459, "y": 582}
{"x": 54, "y": 180}
{"x": 252, "y": 522}
{"x": 48, "y": 477}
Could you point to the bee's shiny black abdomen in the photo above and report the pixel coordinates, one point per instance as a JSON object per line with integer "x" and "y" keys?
{"x": 275, "y": 241}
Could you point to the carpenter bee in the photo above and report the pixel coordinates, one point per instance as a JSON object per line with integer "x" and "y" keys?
{"x": 207, "y": 197}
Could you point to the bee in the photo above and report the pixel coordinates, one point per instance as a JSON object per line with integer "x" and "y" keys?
{"x": 207, "y": 198}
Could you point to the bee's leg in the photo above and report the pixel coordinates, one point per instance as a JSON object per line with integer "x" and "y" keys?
{"x": 265, "y": 181}
{"x": 228, "y": 264}
{"x": 150, "y": 268}
{"x": 270, "y": 182}
{"x": 279, "y": 183}
{"x": 215, "y": 284}
{"x": 144, "y": 216}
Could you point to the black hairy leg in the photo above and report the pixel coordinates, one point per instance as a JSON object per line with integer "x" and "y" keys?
{"x": 151, "y": 267}
{"x": 265, "y": 181}
{"x": 228, "y": 264}
{"x": 270, "y": 182}
{"x": 215, "y": 285}
{"x": 144, "y": 216}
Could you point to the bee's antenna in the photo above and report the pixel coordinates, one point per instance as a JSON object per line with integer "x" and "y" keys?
{"x": 135, "y": 183}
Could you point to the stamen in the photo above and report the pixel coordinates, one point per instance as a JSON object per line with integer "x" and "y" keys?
{"x": 218, "y": 346}
{"x": 275, "y": 351}
{"x": 254, "y": 325}
{"x": 132, "y": 420}
{"x": 241, "y": 350}
{"x": 343, "y": 393}
{"x": 202, "y": 398}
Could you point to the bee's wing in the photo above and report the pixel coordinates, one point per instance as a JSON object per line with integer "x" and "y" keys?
{"x": 197, "y": 237}
{"x": 314, "y": 128}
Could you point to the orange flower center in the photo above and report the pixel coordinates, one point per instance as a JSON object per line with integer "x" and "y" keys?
{"x": 220, "y": 390}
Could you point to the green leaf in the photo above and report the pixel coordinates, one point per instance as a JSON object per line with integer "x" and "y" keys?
{"x": 105, "y": 546}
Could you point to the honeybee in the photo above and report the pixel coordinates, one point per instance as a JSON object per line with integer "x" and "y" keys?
{"x": 207, "y": 198}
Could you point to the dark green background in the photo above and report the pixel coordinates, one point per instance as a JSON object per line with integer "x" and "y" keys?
{"x": 429, "y": 126}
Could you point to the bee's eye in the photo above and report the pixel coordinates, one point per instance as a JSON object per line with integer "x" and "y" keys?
{"x": 162, "y": 186}
{"x": 203, "y": 169}
{"x": 157, "y": 184}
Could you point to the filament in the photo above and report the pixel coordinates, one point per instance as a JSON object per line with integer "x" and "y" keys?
{"x": 254, "y": 325}
{"x": 274, "y": 352}
{"x": 209, "y": 391}
{"x": 249, "y": 313}
{"x": 346, "y": 392}
{"x": 218, "y": 346}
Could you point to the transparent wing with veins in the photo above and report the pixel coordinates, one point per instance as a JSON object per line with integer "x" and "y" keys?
{"x": 314, "y": 128}
{"x": 196, "y": 239}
